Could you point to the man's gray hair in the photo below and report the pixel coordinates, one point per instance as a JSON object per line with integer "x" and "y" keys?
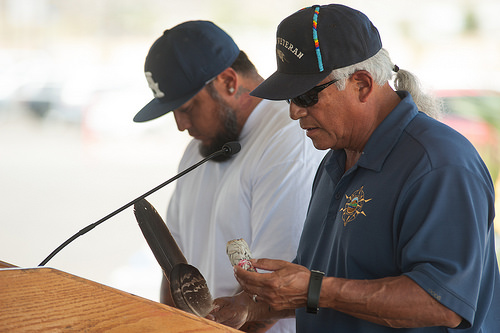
{"x": 382, "y": 69}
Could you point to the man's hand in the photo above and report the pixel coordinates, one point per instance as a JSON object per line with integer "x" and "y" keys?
{"x": 284, "y": 287}
{"x": 267, "y": 297}
{"x": 231, "y": 311}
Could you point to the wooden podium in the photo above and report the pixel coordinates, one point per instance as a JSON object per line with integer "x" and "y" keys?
{"x": 47, "y": 300}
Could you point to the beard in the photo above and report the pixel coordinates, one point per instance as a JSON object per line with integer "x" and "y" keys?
{"x": 229, "y": 132}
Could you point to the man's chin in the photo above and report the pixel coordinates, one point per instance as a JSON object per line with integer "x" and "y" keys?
{"x": 206, "y": 148}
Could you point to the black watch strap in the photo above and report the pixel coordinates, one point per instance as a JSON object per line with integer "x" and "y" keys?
{"x": 314, "y": 291}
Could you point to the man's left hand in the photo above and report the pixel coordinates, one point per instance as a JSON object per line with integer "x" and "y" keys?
{"x": 284, "y": 287}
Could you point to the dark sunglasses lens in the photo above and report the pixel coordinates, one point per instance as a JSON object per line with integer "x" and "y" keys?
{"x": 311, "y": 97}
{"x": 308, "y": 99}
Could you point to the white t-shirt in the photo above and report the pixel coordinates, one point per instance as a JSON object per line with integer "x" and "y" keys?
{"x": 261, "y": 195}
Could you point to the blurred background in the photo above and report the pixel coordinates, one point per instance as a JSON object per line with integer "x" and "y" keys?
{"x": 71, "y": 80}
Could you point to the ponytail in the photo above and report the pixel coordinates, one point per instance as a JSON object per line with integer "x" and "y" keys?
{"x": 382, "y": 70}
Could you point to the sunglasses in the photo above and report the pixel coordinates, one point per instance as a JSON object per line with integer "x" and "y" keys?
{"x": 311, "y": 97}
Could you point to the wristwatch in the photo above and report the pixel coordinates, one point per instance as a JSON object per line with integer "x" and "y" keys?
{"x": 314, "y": 291}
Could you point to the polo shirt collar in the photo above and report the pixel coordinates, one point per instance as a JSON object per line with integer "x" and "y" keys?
{"x": 383, "y": 139}
{"x": 388, "y": 133}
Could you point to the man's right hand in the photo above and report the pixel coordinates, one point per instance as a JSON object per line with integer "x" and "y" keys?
{"x": 231, "y": 311}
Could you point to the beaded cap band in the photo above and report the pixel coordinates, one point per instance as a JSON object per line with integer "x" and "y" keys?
{"x": 316, "y": 40}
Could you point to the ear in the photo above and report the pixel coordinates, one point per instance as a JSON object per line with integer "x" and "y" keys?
{"x": 364, "y": 84}
{"x": 227, "y": 82}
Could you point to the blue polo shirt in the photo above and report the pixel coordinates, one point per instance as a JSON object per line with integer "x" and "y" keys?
{"x": 419, "y": 202}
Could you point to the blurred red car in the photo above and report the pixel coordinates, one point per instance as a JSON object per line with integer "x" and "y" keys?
{"x": 476, "y": 114}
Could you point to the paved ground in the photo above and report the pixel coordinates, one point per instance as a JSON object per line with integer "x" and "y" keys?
{"x": 56, "y": 179}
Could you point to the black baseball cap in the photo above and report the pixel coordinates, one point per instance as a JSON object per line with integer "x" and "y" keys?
{"x": 181, "y": 62}
{"x": 314, "y": 41}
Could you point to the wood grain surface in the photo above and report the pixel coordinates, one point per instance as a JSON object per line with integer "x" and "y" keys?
{"x": 48, "y": 300}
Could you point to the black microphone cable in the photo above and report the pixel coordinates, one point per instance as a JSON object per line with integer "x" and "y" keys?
{"x": 229, "y": 148}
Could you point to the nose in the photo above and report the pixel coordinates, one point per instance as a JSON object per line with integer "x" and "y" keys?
{"x": 297, "y": 112}
{"x": 182, "y": 120}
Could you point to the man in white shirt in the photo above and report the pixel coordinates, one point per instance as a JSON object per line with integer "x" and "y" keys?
{"x": 260, "y": 194}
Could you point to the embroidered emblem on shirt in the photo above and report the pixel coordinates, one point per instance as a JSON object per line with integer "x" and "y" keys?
{"x": 354, "y": 205}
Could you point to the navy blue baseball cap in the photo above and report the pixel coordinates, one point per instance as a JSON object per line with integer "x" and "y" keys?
{"x": 314, "y": 41}
{"x": 181, "y": 62}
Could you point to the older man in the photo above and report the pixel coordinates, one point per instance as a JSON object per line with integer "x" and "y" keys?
{"x": 399, "y": 231}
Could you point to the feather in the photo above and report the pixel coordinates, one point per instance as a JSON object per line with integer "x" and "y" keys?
{"x": 187, "y": 285}
{"x": 158, "y": 237}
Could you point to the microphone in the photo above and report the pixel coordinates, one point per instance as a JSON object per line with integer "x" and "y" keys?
{"x": 228, "y": 149}
{"x": 231, "y": 148}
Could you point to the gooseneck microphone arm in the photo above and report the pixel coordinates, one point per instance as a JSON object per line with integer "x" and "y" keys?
{"x": 229, "y": 148}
